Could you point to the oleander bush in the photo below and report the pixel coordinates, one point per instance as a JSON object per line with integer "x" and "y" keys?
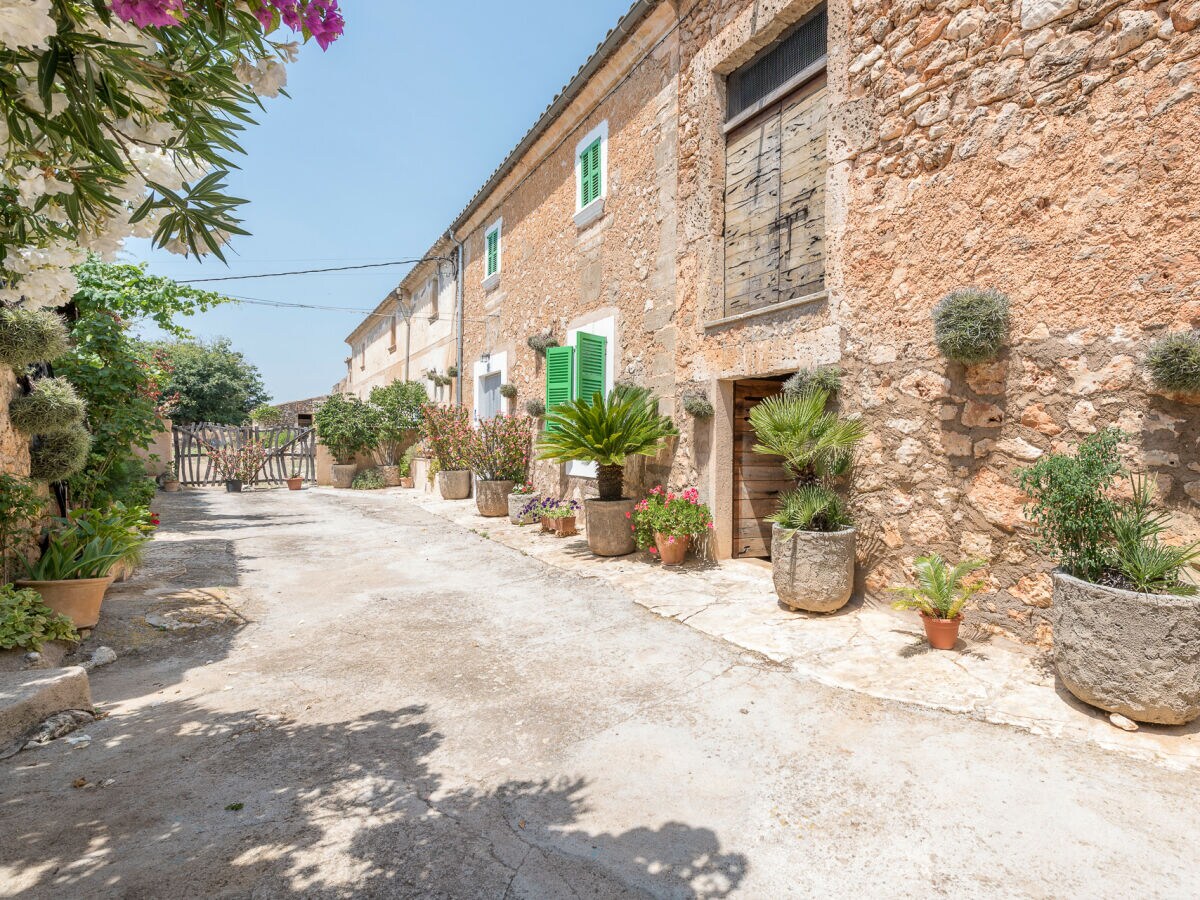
{"x": 971, "y": 325}
{"x": 1174, "y": 361}
{"x": 58, "y": 456}
{"x": 52, "y": 405}
{"x": 30, "y": 335}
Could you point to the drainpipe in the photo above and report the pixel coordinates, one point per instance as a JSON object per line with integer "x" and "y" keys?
{"x": 458, "y": 313}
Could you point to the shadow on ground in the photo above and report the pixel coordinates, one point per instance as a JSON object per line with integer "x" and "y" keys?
{"x": 351, "y": 807}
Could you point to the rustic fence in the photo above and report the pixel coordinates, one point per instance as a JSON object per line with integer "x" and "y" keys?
{"x": 289, "y": 449}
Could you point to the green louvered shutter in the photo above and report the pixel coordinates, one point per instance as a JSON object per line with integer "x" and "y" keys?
{"x": 594, "y": 152}
{"x": 589, "y": 365}
{"x": 585, "y": 178}
{"x": 493, "y": 252}
{"x": 559, "y": 366}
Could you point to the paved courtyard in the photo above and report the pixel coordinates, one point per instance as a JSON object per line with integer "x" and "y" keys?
{"x": 392, "y": 705}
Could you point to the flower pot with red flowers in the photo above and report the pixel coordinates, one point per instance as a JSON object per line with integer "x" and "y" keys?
{"x": 940, "y": 596}
{"x": 666, "y": 523}
{"x": 238, "y": 465}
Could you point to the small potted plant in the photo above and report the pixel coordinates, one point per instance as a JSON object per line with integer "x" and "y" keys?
{"x": 294, "y": 481}
{"x": 405, "y": 466}
{"x": 940, "y": 596}
{"x": 238, "y": 466}
{"x": 665, "y": 523}
{"x": 498, "y": 454}
{"x": 561, "y": 514}
{"x": 448, "y": 432}
{"x": 520, "y": 502}
{"x": 170, "y": 479}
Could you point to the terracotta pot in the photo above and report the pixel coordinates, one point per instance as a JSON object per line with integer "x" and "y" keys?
{"x": 78, "y": 599}
{"x": 942, "y": 633}
{"x": 672, "y": 554}
{"x": 813, "y": 571}
{"x": 233, "y": 486}
{"x": 171, "y": 485}
{"x": 294, "y": 484}
{"x": 491, "y": 497}
{"x": 391, "y": 475}
{"x": 516, "y": 503}
{"x": 343, "y": 474}
{"x": 565, "y": 526}
{"x": 454, "y": 485}
{"x": 406, "y": 481}
{"x": 607, "y": 525}
{"x": 547, "y": 523}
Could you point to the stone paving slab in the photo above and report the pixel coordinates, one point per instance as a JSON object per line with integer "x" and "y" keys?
{"x": 26, "y": 698}
{"x": 872, "y": 650}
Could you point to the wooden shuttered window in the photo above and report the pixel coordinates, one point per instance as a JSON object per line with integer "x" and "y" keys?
{"x": 493, "y": 251}
{"x": 590, "y": 174}
{"x": 590, "y": 355}
{"x": 560, "y": 371}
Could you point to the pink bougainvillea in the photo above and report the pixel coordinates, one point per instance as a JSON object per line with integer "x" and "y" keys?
{"x": 148, "y": 13}
{"x": 320, "y": 19}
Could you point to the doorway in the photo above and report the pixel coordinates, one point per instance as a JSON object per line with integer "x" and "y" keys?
{"x": 489, "y": 395}
{"x": 758, "y": 480}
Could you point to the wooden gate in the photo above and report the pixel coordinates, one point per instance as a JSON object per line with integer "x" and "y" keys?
{"x": 289, "y": 449}
{"x": 758, "y": 480}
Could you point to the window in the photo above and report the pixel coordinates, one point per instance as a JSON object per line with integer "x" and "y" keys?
{"x": 492, "y": 253}
{"x": 591, "y": 175}
{"x": 490, "y": 404}
{"x": 362, "y": 355}
{"x": 578, "y": 371}
{"x": 433, "y": 296}
{"x": 392, "y": 333}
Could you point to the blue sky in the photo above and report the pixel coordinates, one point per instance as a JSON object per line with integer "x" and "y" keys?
{"x": 384, "y": 140}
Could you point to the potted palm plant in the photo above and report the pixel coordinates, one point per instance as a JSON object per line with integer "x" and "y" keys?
{"x": 447, "y": 430}
{"x": 1126, "y": 618}
{"x": 940, "y": 596}
{"x": 398, "y": 418}
{"x": 812, "y": 535}
{"x": 607, "y": 430}
{"x": 498, "y": 453}
{"x": 347, "y": 426}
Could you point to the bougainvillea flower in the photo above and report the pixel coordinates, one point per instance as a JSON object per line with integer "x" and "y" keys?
{"x": 150, "y": 13}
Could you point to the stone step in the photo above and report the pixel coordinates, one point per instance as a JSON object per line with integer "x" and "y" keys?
{"x": 29, "y": 697}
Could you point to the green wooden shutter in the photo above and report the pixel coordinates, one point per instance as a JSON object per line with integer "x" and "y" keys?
{"x": 493, "y": 251}
{"x": 559, "y": 366}
{"x": 594, "y": 153}
{"x": 585, "y": 178}
{"x": 589, "y": 365}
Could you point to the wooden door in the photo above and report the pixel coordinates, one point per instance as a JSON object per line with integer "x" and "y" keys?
{"x": 758, "y": 480}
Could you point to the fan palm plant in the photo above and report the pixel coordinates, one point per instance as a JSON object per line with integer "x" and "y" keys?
{"x": 940, "y": 592}
{"x": 606, "y": 430}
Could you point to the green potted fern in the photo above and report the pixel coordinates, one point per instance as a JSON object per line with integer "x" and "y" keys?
{"x": 940, "y": 596}
{"x": 607, "y": 430}
{"x": 813, "y": 534}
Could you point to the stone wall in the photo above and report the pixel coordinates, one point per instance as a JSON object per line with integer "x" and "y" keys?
{"x": 14, "y": 448}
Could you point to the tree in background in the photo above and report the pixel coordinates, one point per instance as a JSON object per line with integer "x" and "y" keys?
{"x": 121, "y": 378}
{"x": 211, "y": 382}
{"x": 267, "y": 416}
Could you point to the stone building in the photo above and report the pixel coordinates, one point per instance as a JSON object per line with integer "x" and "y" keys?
{"x": 730, "y": 190}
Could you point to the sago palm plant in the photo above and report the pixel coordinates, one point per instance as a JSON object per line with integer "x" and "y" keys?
{"x": 606, "y": 430}
{"x": 940, "y": 591}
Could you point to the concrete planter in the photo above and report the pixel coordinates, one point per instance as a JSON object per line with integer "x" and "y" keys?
{"x": 491, "y": 497}
{"x": 78, "y": 599}
{"x": 813, "y": 570}
{"x": 1128, "y": 653}
{"x": 516, "y": 503}
{"x": 391, "y": 475}
{"x": 609, "y": 531}
{"x": 343, "y": 475}
{"x": 454, "y": 485}
{"x": 171, "y": 485}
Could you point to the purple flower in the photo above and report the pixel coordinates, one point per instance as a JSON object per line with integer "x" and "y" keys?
{"x": 150, "y": 13}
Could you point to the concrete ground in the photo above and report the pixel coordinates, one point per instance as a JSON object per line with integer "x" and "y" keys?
{"x": 398, "y": 707}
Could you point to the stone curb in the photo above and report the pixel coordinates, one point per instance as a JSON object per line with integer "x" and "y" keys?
{"x": 27, "y": 698}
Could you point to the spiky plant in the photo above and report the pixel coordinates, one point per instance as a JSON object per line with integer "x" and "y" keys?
{"x": 698, "y": 405}
{"x": 940, "y": 591}
{"x": 535, "y": 407}
{"x": 1149, "y": 565}
{"x": 51, "y": 406}
{"x": 822, "y": 378}
{"x": 541, "y": 342}
{"x": 30, "y": 335}
{"x": 54, "y": 457}
{"x": 971, "y": 325}
{"x": 1174, "y": 361}
{"x": 606, "y": 430}
{"x": 811, "y": 507}
{"x": 815, "y": 443}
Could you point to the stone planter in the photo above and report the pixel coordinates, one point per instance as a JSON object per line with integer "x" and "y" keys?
{"x": 171, "y": 485}
{"x": 1128, "y": 653}
{"x": 78, "y": 599}
{"x": 609, "y": 531}
{"x": 516, "y": 503}
{"x": 491, "y": 497}
{"x": 391, "y": 475}
{"x": 454, "y": 485}
{"x": 343, "y": 474}
{"x": 813, "y": 570}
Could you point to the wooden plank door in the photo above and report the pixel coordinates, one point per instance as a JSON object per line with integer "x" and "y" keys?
{"x": 758, "y": 480}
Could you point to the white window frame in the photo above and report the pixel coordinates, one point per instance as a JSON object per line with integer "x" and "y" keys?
{"x": 585, "y": 215}
{"x": 490, "y": 281}
{"x": 497, "y": 362}
{"x": 607, "y": 329}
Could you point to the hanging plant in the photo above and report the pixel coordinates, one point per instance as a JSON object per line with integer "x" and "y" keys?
{"x": 541, "y": 342}
{"x": 1174, "y": 362}
{"x": 56, "y": 457}
{"x": 452, "y": 371}
{"x": 535, "y": 407}
{"x": 30, "y": 335}
{"x": 698, "y": 405}
{"x": 508, "y": 390}
{"x": 50, "y": 407}
{"x": 971, "y": 325}
{"x": 823, "y": 378}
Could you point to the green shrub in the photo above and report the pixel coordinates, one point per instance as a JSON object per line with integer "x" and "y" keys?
{"x": 698, "y": 405}
{"x": 346, "y": 426}
{"x": 405, "y": 464}
{"x": 26, "y": 622}
{"x": 20, "y": 507}
{"x": 1144, "y": 561}
{"x": 368, "y": 480}
{"x": 535, "y": 407}
{"x": 811, "y": 507}
{"x": 58, "y": 456}
{"x": 971, "y": 325}
{"x": 30, "y": 335}
{"x": 1174, "y": 361}
{"x": 51, "y": 406}
{"x": 822, "y": 378}
{"x": 266, "y": 416}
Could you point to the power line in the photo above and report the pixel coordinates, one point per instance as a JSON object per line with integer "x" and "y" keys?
{"x": 398, "y": 262}
{"x": 283, "y": 304}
